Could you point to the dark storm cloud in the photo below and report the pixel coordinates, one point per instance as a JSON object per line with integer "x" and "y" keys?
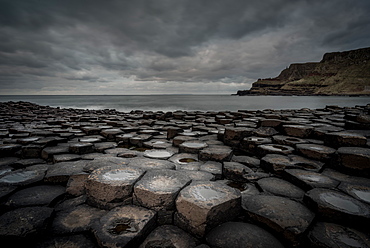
{"x": 54, "y": 43}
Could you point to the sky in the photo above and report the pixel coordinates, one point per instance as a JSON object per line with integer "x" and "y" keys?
{"x": 121, "y": 47}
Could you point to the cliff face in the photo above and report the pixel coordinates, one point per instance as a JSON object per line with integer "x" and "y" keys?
{"x": 339, "y": 73}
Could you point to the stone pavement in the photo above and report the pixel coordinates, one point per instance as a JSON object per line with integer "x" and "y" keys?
{"x": 103, "y": 178}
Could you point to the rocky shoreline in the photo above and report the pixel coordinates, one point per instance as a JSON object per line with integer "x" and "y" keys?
{"x": 103, "y": 178}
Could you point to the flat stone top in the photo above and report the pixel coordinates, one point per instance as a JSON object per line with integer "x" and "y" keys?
{"x": 158, "y": 154}
{"x": 280, "y": 187}
{"x": 163, "y": 181}
{"x": 116, "y": 175}
{"x": 149, "y": 164}
{"x": 207, "y": 194}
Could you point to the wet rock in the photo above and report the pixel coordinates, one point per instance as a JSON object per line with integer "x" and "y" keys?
{"x": 23, "y": 163}
{"x": 300, "y": 131}
{"x": 234, "y": 135}
{"x": 33, "y": 220}
{"x": 212, "y": 167}
{"x": 218, "y": 154}
{"x": 32, "y": 151}
{"x": 169, "y": 236}
{"x": 199, "y": 175}
{"x": 157, "y": 189}
{"x": 60, "y": 172}
{"x": 9, "y": 149}
{"x": 101, "y": 147}
{"x": 203, "y": 205}
{"x": 81, "y": 148}
{"x": 357, "y": 190}
{"x": 280, "y": 187}
{"x": 158, "y": 154}
{"x": 181, "y": 139}
{"x": 111, "y": 184}
{"x": 23, "y": 177}
{"x": 338, "y": 139}
{"x": 48, "y": 152}
{"x": 74, "y": 220}
{"x": 99, "y": 162}
{"x": 339, "y": 207}
{"x": 43, "y": 195}
{"x": 287, "y": 140}
{"x": 326, "y": 234}
{"x": 75, "y": 241}
{"x": 251, "y": 162}
{"x": 76, "y": 184}
{"x": 308, "y": 179}
{"x": 354, "y": 159}
{"x": 110, "y": 134}
{"x": 278, "y": 163}
{"x": 124, "y": 226}
{"x": 235, "y": 171}
{"x": 271, "y": 211}
{"x": 192, "y": 146}
{"x": 314, "y": 151}
{"x": 157, "y": 144}
{"x": 58, "y": 158}
{"x": 250, "y": 144}
{"x": 241, "y": 235}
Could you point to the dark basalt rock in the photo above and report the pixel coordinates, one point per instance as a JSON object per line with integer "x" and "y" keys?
{"x": 280, "y": 187}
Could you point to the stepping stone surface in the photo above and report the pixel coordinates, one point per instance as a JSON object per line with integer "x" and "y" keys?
{"x": 241, "y": 235}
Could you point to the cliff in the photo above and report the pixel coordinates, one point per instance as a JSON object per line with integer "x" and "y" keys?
{"x": 338, "y": 73}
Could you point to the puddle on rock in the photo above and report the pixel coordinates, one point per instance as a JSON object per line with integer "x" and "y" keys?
{"x": 157, "y": 154}
{"x": 341, "y": 203}
{"x": 18, "y": 177}
{"x": 205, "y": 193}
{"x": 116, "y": 175}
{"x": 194, "y": 145}
{"x": 123, "y": 226}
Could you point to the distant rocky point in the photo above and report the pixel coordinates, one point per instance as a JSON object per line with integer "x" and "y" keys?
{"x": 338, "y": 73}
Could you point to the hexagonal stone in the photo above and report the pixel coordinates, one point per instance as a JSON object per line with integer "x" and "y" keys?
{"x": 280, "y": 187}
{"x": 203, "y": 205}
{"x": 235, "y": 171}
{"x": 78, "y": 219}
{"x": 241, "y": 235}
{"x": 76, "y": 184}
{"x": 337, "y": 206}
{"x": 212, "y": 167}
{"x": 265, "y": 132}
{"x": 263, "y": 150}
{"x": 111, "y": 134}
{"x": 158, "y": 154}
{"x": 43, "y": 195}
{"x": 102, "y": 146}
{"x": 300, "y": 131}
{"x": 192, "y": 146}
{"x": 308, "y": 179}
{"x": 33, "y": 220}
{"x": 9, "y": 149}
{"x": 216, "y": 153}
{"x": 48, "y": 152}
{"x": 357, "y": 190}
{"x": 286, "y": 217}
{"x": 81, "y": 148}
{"x": 150, "y": 164}
{"x": 158, "y": 189}
{"x": 111, "y": 184}
{"x": 169, "y": 236}
{"x": 278, "y": 163}
{"x": 326, "y": 234}
{"x": 288, "y": 140}
{"x": 99, "y": 162}
{"x": 181, "y": 139}
{"x": 355, "y": 160}
{"x": 60, "y": 172}
{"x": 31, "y": 151}
{"x": 66, "y": 157}
{"x": 314, "y": 151}
{"x": 24, "y": 177}
{"x": 338, "y": 139}
{"x": 124, "y": 226}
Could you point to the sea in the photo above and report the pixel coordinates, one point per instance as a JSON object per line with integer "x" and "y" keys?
{"x": 167, "y": 103}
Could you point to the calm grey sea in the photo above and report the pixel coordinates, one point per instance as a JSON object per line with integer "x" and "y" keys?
{"x": 127, "y": 103}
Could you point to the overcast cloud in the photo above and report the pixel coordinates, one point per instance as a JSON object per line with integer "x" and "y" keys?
{"x": 167, "y": 46}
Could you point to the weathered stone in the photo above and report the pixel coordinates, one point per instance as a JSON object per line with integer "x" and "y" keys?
{"x": 339, "y": 207}
{"x": 76, "y": 184}
{"x": 250, "y": 144}
{"x": 75, "y": 241}
{"x": 111, "y": 184}
{"x": 218, "y": 154}
{"x": 278, "y": 163}
{"x": 158, "y": 189}
{"x": 300, "y": 131}
{"x": 173, "y": 132}
{"x": 58, "y": 158}
{"x": 110, "y": 134}
{"x": 81, "y": 148}
{"x": 354, "y": 159}
{"x": 212, "y": 167}
{"x": 75, "y": 220}
{"x": 99, "y": 162}
{"x": 48, "y": 152}
{"x": 262, "y": 150}
{"x": 235, "y": 171}
{"x": 339, "y": 139}
{"x": 314, "y": 151}
{"x": 286, "y": 217}
{"x": 169, "y": 236}
{"x": 43, "y": 195}
{"x": 33, "y": 220}
{"x": 357, "y": 190}
{"x": 24, "y": 177}
{"x": 102, "y": 146}
{"x": 287, "y": 140}
{"x": 60, "y": 172}
{"x": 23, "y": 163}
{"x": 151, "y": 164}
{"x": 32, "y": 151}
{"x": 326, "y": 234}
{"x": 9, "y": 149}
{"x": 124, "y": 226}
{"x": 181, "y": 139}
{"x": 308, "y": 179}
{"x": 203, "y": 205}
{"x": 158, "y": 154}
{"x": 192, "y": 146}
{"x": 280, "y": 187}
{"x": 157, "y": 144}
{"x": 241, "y": 235}
{"x": 199, "y": 175}
{"x": 270, "y": 123}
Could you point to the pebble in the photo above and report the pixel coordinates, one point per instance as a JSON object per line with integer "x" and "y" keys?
{"x": 104, "y": 178}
